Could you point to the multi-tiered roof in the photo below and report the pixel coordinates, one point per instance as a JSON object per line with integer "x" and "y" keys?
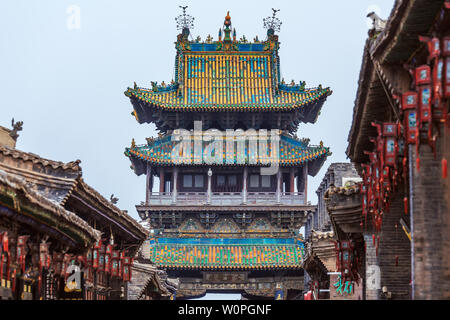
{"x": 229, "y": 75}
{"x": 292, "y": 152}
{"x": 228, "y": 84}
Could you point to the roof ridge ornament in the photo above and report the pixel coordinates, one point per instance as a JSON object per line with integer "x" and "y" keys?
{"x": 227, "y": 28}
{"x": 185, "y": 22}
{"x": 272, "y": 23}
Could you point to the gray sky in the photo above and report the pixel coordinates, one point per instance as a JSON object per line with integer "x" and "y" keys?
{"x": 67, "y": 84}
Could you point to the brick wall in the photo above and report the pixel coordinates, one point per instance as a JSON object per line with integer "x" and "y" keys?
{"x": 445, "y": 244}
{"x": 431, "y": 256}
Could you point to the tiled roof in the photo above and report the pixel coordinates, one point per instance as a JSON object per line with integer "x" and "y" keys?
{"x": 227, "y": 256}
{"x": 231, "y": 76}
{"x": 28, "y": 156}
{"x": 291, "y": 152}
{"x": 252, "y": 94}
{"x": 112, "y": 210}
{"x": 61, "y": 219}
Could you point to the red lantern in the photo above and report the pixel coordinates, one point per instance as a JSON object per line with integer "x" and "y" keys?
{"x": 386, "y": 178}
{"x": 425, "y": 103}
{"x": 115, "y": 259}
{"x": 344, "y": 255}
{"x": 433, "y": 46}
{"x": 101, "y": 261}
{"x": 44, "y": 256}
{"x": 57, "y": 262}
{"x": 5, "y": 241}
{"x": 126, "y": 272}
{"x": 108, "y": 257}
{"x": 423, "y": 75}
{"x": 447, "y": 78}
{"x": 89, "y": 258}
{"x": 437, "y": 78}
{"x": 95, "y": 258}
{"x": 4, "y": 257}
{"x": 98, "y": 244}
{"x": 22, "y": 251}
{"x": 446, "y": 46}
{"x": 390, "y": 132}
{"x": 410, "y": 119}
{"x": 409, "y": 100}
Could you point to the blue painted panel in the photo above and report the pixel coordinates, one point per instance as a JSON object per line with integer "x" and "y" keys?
{"x": 225, "y": 241}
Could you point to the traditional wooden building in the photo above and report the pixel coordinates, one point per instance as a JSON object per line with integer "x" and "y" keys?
{"x": 398, "y": 221}
{"x": 322, "y": 279}
{"x": 221, "y": 222}
{"x": 60, "y": 238}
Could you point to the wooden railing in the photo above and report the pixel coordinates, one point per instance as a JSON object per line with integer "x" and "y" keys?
{"x": 226, "y": 198}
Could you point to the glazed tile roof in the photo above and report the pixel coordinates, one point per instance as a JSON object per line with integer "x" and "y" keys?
{"x": 291, "y": 152}
{"x": 228, "y": 256}
{"x": 229, "y": 82}
{"x": 228, "y": 75}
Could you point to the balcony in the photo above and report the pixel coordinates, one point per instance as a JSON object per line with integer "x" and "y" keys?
{"x": 225, "y": 199}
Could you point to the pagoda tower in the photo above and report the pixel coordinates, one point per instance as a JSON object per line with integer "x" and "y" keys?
{"x": 232, "y": 173}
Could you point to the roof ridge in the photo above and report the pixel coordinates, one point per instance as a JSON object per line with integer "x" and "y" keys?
{"x": 115, "y": 209}
{"x": 29, "y": 156}
{"x": 19, "y": 183}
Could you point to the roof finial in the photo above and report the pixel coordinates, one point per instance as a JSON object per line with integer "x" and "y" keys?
{"x": 272, "y": 23}
{"x": 184, "y": 22}
{"x": 227, "y": 29}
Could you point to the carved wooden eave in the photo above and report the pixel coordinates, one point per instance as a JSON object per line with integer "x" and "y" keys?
{"x": 43, "y": 215}
{"x": 156, "y": 279}
{"x": 109, "y": 211}
{"x": 321, "y": 247}
{"x": 322, "y": 243}
{"x": 52, "y": 179}
{"x": 382, "y": 73}
{"x": 62, "y": 184}
{"x": 345, "y": 209}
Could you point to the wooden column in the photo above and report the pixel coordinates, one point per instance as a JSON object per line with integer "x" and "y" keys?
{"x": 175, "y": 178}
{"x": 305, "y": 176}
{"x": 161, "y": 180}
{"x": 279, "y": 176}
{"x": 292, "y": 180}
{"x": 208, "y": 195}
{"x": 244, "y": 186}
{"x": 149, "y": 184}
